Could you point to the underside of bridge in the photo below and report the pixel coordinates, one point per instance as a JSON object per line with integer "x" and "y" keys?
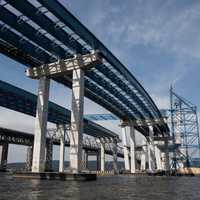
{"x": 44, "y": 36}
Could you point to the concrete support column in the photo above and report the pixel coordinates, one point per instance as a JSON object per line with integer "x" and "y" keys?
{"x": 38, "y": 164}
{"x": 3, "y": 156}
{"x": 114, "y": 150}
{"x": 143, "y": 157}
{"x": 62, "y": 131}
{"x": 167, "y": 164}
{"x": 132, "y": 149}
{"x": 102, "y": 156}
{"x": 98, "y": 160}
{"x": 29, "y": 158}
{"x": 85, "y": 159}
{"x": 151, "y": 162}
{"x": 158, "y": 158}
{"x": 49, "y": 156}
{"x": 76, "y": 134}
{"x": 126, "y": 148}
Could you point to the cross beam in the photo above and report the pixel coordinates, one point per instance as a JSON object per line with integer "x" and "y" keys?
{"x": 62, "y": 66}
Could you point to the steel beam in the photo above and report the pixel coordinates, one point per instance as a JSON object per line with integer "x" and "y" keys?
{"x": 45, "y": 23}
{"x": 62, "y": 67}
{"x": 66, "y": 17}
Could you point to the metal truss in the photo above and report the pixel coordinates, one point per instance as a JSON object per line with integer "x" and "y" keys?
{"x": 185, "y": 130}
{"x": 53, "y": 137}
{"x": 90, "y": 143}
{"x": 15, "y": 137}
{"x": 44, "y": 32}
{"x": 100, "y": 117}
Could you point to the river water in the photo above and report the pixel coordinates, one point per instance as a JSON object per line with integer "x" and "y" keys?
{"x": 105, "y": 188}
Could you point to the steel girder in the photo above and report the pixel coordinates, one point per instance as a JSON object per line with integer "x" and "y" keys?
{"x": 112, "y": 90}
{"x": 15, "y": 54}
{"x": 66, "y": 17}
{"x": 45, "y": 23}
{"x": 145, "y": 105}
{"x": 19, "y": 42}
{"x": 13, "y": 21}
{"x": 27, "y": 47}
{"x": 25, "y": 102}
{"x": 21, "y": 138}
{"x": 124, "y": 87}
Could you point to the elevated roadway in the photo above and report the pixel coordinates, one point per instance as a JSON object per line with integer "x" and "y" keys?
{"x": 43, "y": 31}
{"x": 43, "y": 34}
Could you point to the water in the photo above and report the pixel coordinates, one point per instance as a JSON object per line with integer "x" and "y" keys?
{"x": 105, "y": 188}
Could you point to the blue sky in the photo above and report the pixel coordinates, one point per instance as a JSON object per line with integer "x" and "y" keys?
{"x": 158, "y": 41}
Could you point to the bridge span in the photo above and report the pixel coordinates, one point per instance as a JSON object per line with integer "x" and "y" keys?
{"x": 91, "y": 146}
{"x": 53, "y": 44}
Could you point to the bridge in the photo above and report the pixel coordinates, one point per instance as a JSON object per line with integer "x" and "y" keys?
{"x": 91, "y": 146}
{"x": 53, "y": 44}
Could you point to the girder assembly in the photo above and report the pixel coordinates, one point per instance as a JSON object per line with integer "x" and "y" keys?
{"x": 62, "y": 67}
{"x": 44, "y": 32}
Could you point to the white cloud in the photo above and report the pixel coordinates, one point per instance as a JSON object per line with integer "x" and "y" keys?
{"x": 161, "y": 101}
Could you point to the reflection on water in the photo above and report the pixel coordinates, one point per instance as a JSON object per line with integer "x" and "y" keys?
{"x": 106, "y": 188}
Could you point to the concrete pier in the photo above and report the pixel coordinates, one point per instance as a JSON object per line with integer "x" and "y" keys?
{"x": 125, "y": 147}
{"x": 38, "y": 164}
{"x": 167, "y": 163}
{"x": 3, "y": 156}
{"x": 151, "y": 150}
{"x": 98, "y": 160}
{"x": 132, "y": 149}
{"x": 114, "y": 150}
{"x": 76, "y": 133}
{"x": 158, "y": 158}
{"x": 85, "y": 159}
{"x": 29, "y": 158}
{"x": 143, "y": 157}
{"x": 102, "y": 156}
{"x": 49, "y": 156}
{"x": 62, "y": 131}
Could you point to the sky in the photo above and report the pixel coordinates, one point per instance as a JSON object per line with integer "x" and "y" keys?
{"x": 158, "y": 41}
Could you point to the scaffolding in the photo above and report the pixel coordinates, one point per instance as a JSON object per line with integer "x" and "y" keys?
{"x": 185, "y": 131}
